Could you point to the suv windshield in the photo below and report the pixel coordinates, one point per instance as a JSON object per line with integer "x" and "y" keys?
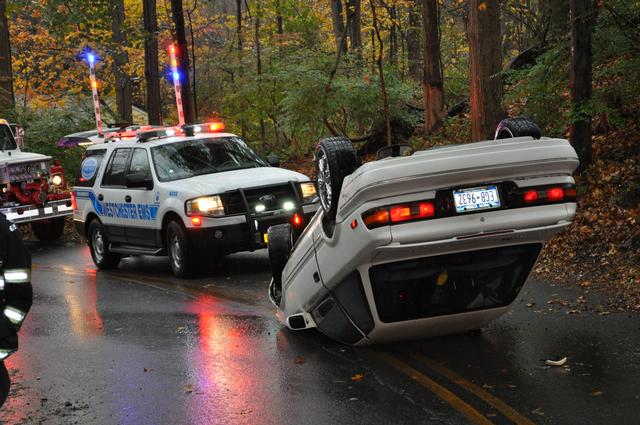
{"x": 190, "y": 158}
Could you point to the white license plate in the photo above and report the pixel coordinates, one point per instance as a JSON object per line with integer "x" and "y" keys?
{"x": 477, "y": 198}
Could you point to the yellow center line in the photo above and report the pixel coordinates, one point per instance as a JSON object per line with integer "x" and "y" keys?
{"x": 479, "y": 392}
{"x": 453, "y": 400}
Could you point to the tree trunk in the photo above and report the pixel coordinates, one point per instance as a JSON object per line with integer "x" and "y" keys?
{"x": 243, "y": 126}
{"x": 193, "y": 61}
{"x": 383, "y": 88}
{"x": 151, "y": 74}
{"x": 7, "y": 100}
{"x": 183, "y": 59}
{"x": 355, "y": 25}
{"x": 555, "y": 18}
{"x": 338, "y": 25}
{"x": 414, "y": 53}
{"x": 432, "y": 76}
{"x": 582, "y": 19}
{"x": 279, "y": 28}
{"x": 393, "y": 35}
{"x": 259, "y": 63}
{"x": 485, "y": 56}
{"x": 121, "y": 60}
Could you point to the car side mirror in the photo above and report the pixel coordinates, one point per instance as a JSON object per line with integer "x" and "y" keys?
{"x": 18, "y": 134}
{"x": 394, "y": 150}
{"x": 273, "y": 160}
{"x": 143, "y": 180}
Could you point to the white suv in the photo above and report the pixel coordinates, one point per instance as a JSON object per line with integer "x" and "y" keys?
{"x": 185, "y": 193}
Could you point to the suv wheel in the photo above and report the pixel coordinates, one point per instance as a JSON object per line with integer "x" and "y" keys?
{"x": 335, "y": 159}
{"x": 517, "y": 127}
{"x": 48, "y": 230}
{"x": 99, "y": 247}
{"x": 179, "y": 250}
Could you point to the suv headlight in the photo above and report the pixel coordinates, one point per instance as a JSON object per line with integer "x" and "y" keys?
{"x": 205, "y": 205}
{"x": 308, "y": 192}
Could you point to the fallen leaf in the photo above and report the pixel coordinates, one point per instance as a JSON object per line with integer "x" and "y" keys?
{"x": 482, "y": 6}
{"x": 538, "y": 411}
{"x": 188, "y": 389}
{"x": 597, "y": 393}
{"x": 556, "y": 363}
{"x": 530, "y": 304}
{"x": 357, "y": 377}
{"x": 299, "y": 360}
{"x": 487, "y": 386}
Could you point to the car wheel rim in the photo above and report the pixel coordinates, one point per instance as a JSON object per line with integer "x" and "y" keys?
{"x": 176, "y": 252}
{"x": 98, "y": 245}
{"x": 324, "y": 179}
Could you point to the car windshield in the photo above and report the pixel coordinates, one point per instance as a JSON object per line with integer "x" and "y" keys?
{"x": 190, "y": 158}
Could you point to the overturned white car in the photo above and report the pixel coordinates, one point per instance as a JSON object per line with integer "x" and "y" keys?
{"x": 440, "y": 241}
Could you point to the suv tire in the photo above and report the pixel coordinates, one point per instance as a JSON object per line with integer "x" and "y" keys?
{"x": 335, "y": 159}
{"x": 48, "y": 230}
{"x": 279, "y": 247}
{"x": 99, "y": 247}
{"x": 517, "y": 127}
{"x": 179, "y": 250}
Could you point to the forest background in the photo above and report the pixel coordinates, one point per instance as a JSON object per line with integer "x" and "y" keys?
{"x": 284, "y": 73}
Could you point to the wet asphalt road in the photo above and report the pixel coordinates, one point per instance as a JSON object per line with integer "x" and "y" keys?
{"x": 136, "y": 346}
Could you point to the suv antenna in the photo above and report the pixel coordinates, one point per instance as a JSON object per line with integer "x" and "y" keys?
{"x": 91, "y": 58}
{"x": 176, "y": 83}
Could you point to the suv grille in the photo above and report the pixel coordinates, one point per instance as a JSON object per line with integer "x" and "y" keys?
{"x": 272, "y": 197}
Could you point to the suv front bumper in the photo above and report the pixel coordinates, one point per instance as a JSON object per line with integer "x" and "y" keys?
{"x": 29, "y": 213}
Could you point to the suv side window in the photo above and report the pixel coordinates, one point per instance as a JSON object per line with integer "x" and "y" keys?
{"x": 140, "y": 163}
{"x": 86, "y": 175}
{"x": 115, "y": 176}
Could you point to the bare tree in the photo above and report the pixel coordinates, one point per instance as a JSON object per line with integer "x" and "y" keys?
{"x": 7, "y": 101}
{"x": 338, "y": 25}
{"x": 414, "y": 53}
{"x": 355, "y": 25}
{"x": 383, "y": 88}
{"x": 432, "y": 76}
{"x": 151, "y": 74}
{"x": 183, "y": 59}
{"x": 485, "y": 55}
{"x": 120, "y": 60}
{"x": 583, "y": 15}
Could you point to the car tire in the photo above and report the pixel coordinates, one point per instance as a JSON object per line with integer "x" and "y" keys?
{"x": 335, "y": 159}
{"x": 279, "y": 247}
{"x": 179, "y": 250}
{"x": 517, "y": 127}
{"x": 98, "y": 241}
{"x": 48, "y": 230}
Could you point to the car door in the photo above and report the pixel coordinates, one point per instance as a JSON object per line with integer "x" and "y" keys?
{"x": 144, "y": 202}
{"x": 111, "y": 195}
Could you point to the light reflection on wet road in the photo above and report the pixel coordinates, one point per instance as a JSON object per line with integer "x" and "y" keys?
{"x": 136, "y": 346}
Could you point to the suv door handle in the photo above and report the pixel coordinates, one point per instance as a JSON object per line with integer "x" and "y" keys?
{"x": 127, "y": 198}
{"x": 100, "y": 197}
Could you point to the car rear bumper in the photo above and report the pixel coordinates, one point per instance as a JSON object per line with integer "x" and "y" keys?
{"x": 30, "y": 213}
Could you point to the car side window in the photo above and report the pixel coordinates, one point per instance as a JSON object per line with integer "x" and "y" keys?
{"x": 89, "y": 167}
{"x": 115, "y": 174}
{"x": 140, "y": 163}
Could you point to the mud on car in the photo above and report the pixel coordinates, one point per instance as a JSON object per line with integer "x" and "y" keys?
{"x": 189, "y": 192}
{"x": 422, "y": 244}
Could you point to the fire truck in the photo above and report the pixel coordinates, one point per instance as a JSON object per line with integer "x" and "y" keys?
{"x": 33, "y": 188}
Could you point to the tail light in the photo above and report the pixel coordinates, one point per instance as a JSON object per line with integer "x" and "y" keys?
{"x": 541, "y": 195}
{"x": 396, "y": 214}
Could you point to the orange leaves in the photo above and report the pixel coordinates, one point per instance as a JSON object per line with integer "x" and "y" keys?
{"x": 482, "y": 6}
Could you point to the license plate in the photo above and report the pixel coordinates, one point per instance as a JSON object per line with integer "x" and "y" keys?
{"x": 477, "y": 198}
{"x": 265, "y": 237}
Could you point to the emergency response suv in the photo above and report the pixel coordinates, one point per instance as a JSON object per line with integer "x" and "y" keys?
{"x": 33, "y": 189}
{"x": 191, "y": 192}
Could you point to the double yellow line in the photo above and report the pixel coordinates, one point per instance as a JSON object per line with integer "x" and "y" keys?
{"x": 473, "y": 415}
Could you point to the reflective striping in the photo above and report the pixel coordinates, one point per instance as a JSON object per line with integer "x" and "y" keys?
{"x": 13, "y": 227}
{"x": 14, "y": 315}
{"x": 4, "y": 353}
{"x": 48, "y": 210}
{"x": 1, "y": 283}
{"x": 17, "y": 276}
{"x": 64, "y": 208}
